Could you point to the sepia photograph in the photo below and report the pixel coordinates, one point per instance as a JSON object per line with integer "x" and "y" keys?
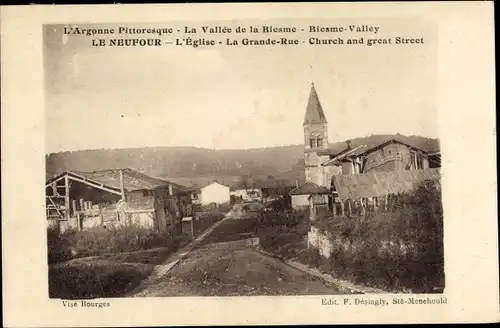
{"x": 249, "y": 164}
{"x": 315, "y": 177}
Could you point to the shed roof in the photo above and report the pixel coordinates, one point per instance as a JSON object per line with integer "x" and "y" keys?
{"x": 309, "y": 188}
{"x": 132, "y": 180}
{"x": 368, "y": 146}
{"x": 376, "y": 184}
{"x": 363, "y": 149}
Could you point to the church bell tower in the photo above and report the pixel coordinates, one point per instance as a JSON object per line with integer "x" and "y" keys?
{"x": 315, "y": 139}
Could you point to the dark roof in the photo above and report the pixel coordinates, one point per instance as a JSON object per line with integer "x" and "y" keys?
{"x": 314, "y": 111}
{"x": 375, "y": 184}
{"x": 309, "y": 188}
{"x": 363, "y": 149}
{"x": 132, "y": 180}
{"x": 337, "y": 148}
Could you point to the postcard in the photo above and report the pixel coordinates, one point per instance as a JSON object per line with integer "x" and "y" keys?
{"x": 233, "y": 164}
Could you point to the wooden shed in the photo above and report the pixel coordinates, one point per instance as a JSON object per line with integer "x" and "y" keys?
{"x": 81, "y": 200}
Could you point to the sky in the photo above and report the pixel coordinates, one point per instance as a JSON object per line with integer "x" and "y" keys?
{"x": 236, "y": 97}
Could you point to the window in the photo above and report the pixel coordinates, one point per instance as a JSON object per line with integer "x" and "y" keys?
{"x": 315, "y": 140}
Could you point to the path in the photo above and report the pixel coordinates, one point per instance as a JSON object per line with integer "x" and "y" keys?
{"x": 225, "y": 263}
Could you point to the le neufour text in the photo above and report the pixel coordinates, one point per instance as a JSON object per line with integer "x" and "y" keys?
{"x": 262, "y": 35}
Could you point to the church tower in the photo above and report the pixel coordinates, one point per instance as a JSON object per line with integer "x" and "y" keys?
{"x": 315, "y": 139}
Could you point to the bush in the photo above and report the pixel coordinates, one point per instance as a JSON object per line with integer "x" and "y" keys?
{"x": 402, "y": 249}
{"x": 97, "y": 241}
{"x": 279, "y": 231}
{"x": 206, "y": 221}
{"x": 95, "y": 280}
{"x": 58, "y": 247}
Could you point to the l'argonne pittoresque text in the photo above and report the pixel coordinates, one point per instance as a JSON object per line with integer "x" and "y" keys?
{"x": 246, "y": 36}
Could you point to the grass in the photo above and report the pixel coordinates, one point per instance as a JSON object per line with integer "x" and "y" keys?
{"x": 111, "y": 262}
{"x": 153, "y": 256}
{"x": 232, "y": 230}
{"x": 105, "y": 275}
{"x": 400, "y": 250}
{"x": 98, "y": 241}
{"x": 95, "y": 279}
{"x": 104, "y": 262}
{"x": 283, "y": 232}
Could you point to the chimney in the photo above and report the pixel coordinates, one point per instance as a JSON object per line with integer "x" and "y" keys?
{"x": 296, "y": 183}
{"x": 348, "y": 142}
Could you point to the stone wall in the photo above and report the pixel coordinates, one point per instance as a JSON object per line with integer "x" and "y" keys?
{"x": 320, "y": 241}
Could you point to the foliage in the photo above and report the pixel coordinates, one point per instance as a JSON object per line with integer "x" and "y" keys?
{"x": 206, "y": 221}
{"x": 99, "y": 279}
{"x": 97, "y": 241}
{"x": 278, "y": 229}
{"x": 402, "y": 249}
{"x": 279, "y": 205}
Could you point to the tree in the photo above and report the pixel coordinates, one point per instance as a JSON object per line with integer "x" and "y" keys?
{"x": 246, "y": 182}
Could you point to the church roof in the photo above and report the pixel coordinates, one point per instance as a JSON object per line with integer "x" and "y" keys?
{"x": 314, "y": 111}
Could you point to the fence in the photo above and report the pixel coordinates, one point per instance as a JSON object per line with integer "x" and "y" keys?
{"x": 361, "y": 206}
{"x": 104, "y": 217}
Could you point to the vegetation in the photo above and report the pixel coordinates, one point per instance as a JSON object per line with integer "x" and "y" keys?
{"x": 398, "y": 250}
{"x": 98, "y": 241}
{"x": 96, "y": 279}
{"x": 401, "y": 250}
{"x": 284, "y": 231}
{"x": 206, "y": 220}
{"x": 104, "y": 262}
{"x": 111, "y": 262}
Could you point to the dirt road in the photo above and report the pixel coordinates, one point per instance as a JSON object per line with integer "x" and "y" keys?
{"x": 224, "y": 265}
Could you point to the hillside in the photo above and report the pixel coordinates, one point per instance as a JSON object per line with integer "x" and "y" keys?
{"x": 197, "y": 166}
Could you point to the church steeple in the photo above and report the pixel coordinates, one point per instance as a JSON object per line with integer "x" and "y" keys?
{"x": 314, "y": 111}
{"x": 315, "y": 139}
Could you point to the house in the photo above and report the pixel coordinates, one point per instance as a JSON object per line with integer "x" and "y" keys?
{"x": 308, "y": 195}
{"x": 82, "y": 200}
{"x": 322, "y": 164}
{"x": 385, "y": 156}
{"x": 214, "y": 193}
{"x": 272, "y": 189}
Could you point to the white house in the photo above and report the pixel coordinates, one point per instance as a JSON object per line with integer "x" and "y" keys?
{"x": 215, "y": 193}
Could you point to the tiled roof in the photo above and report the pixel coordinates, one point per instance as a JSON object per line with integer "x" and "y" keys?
{"x": 309, "y": 188}
{"x": 132, "y": 180}
{"x": 314, "y": 110}
{"x": 376, "y": 184}
{"x": 362, "y": 149}
{"x": 340, "y": 147}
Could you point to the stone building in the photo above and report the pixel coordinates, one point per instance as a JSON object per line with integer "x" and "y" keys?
{"x": 323, "y": 163}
